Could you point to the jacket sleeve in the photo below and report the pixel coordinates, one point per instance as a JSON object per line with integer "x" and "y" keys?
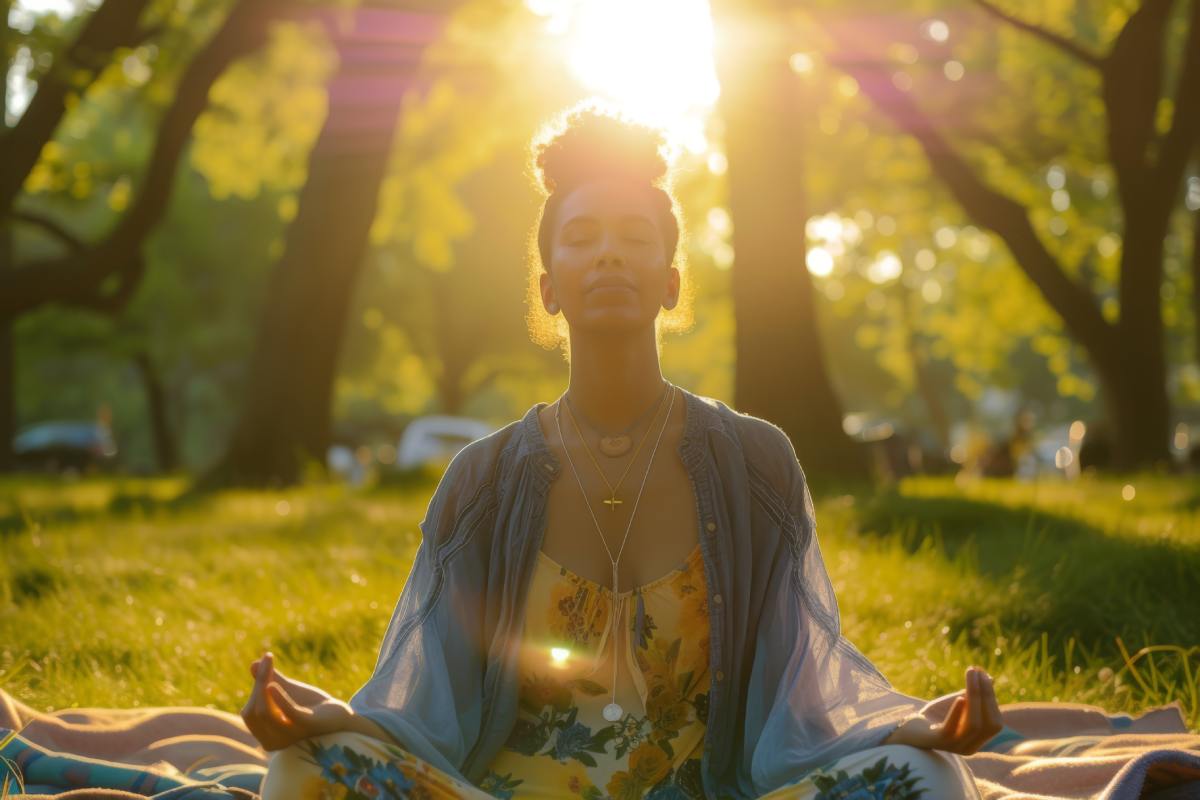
{"x": 816, "y": 696}
{"x": 426, "y": 690}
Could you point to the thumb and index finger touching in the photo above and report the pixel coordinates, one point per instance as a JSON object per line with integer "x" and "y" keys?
{"x": 267, "y": 693}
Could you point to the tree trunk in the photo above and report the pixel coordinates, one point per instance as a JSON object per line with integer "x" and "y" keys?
{"x": 8, "y": 382}
{"x": 8, "y": 346}
{"x": 1141, "y": 410}
{"x": 286, "y": 418}
{"x": 923, "y": 377}
{"x": 1196, "y": 286}
{"x": 453, "y": 359}
{"x": 781, "y": 373}
{"x": 165, "y": 451}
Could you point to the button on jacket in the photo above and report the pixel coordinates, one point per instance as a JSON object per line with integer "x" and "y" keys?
{"x": 789, "y": 693}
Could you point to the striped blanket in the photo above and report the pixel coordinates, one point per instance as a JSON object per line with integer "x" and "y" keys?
{"x": 1045, "y": 752}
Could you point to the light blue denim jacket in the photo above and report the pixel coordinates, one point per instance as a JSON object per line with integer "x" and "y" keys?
{"x": 788, "y": 692}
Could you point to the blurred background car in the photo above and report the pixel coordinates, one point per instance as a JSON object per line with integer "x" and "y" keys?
{"x": 421, "y": 451}
{"x": 64, "y": 446}
{"x": 433, "y": 440}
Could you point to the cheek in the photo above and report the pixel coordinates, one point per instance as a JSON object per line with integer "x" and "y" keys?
{"x": 567, "y": 268}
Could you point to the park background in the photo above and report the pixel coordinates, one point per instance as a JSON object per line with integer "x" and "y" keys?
{"x": 952, "y": 248}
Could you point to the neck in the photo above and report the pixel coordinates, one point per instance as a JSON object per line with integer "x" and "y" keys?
{"x": 614, "y": 380}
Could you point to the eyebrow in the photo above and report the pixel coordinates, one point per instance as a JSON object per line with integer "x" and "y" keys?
{"x": 584, "y": 218}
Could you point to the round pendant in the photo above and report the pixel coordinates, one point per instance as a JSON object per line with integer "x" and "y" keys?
{"x": 615, "y": 445}
{"x": 613, "y": 712}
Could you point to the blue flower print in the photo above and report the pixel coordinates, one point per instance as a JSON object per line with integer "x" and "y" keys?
{"x": 337, "y": 766}
{"x": 388, "y": 777}
{"x": 880, "y": 781}
{"x": 572, "y": 740}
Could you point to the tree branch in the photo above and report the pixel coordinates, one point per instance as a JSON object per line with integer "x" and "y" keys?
{"x": 1132, "y": 87}
{"x": 80, "y": 275}
{"x": 109, "y": 299}
{"x": 1184, "y": 135}
{"x": 986, "y": 206}
{"x": 1064, "y": 44}
{"x": 112, "y": 25}
{"x": 51, "y": 227}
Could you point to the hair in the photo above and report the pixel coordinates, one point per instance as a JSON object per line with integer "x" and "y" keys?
{"x": 589, "y": 141}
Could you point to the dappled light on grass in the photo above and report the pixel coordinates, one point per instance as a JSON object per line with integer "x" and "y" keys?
{"x": 1062, "y": 591}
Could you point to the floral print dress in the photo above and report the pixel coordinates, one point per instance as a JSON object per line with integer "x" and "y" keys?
{"x": 561, "y": 745}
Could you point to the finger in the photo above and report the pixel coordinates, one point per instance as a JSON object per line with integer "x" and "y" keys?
{"x": 993, "y": 721}
{"x": 935, "y": 710}
{"x": 288, "y": 708}
{"x": 948, "y": 729}
{"x": 262, "y": 675}
{"x": 972, "y": 723}
{"x": 275, "y": 705}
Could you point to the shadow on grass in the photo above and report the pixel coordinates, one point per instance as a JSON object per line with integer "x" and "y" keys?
{"x": 1190, "y": 504}
{"x": 122, "y": 505}
{"x": 1060, "y": 575}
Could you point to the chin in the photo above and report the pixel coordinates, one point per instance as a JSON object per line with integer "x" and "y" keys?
{"x": 615, "y": 320}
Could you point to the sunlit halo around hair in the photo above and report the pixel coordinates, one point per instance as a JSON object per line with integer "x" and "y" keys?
{"x": 596, "y": 138}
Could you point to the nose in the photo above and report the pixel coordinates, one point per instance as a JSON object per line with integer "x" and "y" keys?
{"x": 609, "y": 253}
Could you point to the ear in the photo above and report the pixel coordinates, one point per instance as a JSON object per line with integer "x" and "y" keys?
{"x": 546, "y": 286}
{"x": 672, "y": 297}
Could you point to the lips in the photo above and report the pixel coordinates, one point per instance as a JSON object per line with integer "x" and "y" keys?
{"x": 611, "y": 284}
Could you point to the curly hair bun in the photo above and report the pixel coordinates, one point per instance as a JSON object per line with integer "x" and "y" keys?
{"x": 592, "y": 141}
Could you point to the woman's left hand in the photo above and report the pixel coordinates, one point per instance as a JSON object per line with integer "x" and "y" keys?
{"x": 973, "y": 719}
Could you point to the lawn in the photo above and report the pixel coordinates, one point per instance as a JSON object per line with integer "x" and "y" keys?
{"x": 122, "y": 592}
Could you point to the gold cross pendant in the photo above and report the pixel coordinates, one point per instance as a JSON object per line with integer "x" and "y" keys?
{"x": 613, "y": 502}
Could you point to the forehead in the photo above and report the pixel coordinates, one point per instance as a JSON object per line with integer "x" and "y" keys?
{"x": 607, "y": 200}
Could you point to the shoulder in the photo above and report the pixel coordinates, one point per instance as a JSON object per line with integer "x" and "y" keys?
{"x": 479, "y": 462}
{"x": 469, "y": 478}
{"x": 767, "y": 449}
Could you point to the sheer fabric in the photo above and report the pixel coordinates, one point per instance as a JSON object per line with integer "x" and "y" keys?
{"x": 789, "y": 692}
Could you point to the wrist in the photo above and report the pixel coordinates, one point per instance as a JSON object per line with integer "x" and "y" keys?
{"x": 901, "y": 734}
{"x": 357, "y": 723}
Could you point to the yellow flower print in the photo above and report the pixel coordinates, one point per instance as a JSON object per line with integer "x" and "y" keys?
{"x": 623, "y": 786}
{"x": 671, "y": 715}
{"x": 575, "y": 614}
{"x": 316, "y": 788}
{"x": 691, "y": 581}
{"x": 574, "y": 777}
{"x": 649, "y": 764}
{"x": 658, "y": 662}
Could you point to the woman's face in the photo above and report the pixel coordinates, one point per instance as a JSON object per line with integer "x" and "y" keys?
{"x": 608, "y": 266}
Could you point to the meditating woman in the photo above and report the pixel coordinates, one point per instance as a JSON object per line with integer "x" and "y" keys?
{"x": 620, "y": 594}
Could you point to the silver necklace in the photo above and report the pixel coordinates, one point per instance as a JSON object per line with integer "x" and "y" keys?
{"x": 613, "y": 711}
{"x": 615, "y": 445}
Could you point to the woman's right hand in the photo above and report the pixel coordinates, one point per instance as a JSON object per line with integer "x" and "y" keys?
{"x": 281, "y": 712}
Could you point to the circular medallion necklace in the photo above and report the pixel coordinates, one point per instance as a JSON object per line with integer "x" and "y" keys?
{"x": 615, "y": 445}
{"x": 613, "y": 711}
{"x": 612, "y": 502}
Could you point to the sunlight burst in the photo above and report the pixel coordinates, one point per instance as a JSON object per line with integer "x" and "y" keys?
{"x": 654, "y": 59}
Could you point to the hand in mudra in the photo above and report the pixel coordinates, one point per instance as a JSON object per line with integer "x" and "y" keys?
{"x": 972, "y": 719}
{"x": 282, "y": 711}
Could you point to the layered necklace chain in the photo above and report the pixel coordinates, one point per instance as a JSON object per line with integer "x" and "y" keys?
{"x": 612, "y": 502}
{"x": 613, "y": 711}
{"x": 615, "y": 445}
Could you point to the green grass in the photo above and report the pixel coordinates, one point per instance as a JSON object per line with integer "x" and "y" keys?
{"x": 134, "y": 593}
